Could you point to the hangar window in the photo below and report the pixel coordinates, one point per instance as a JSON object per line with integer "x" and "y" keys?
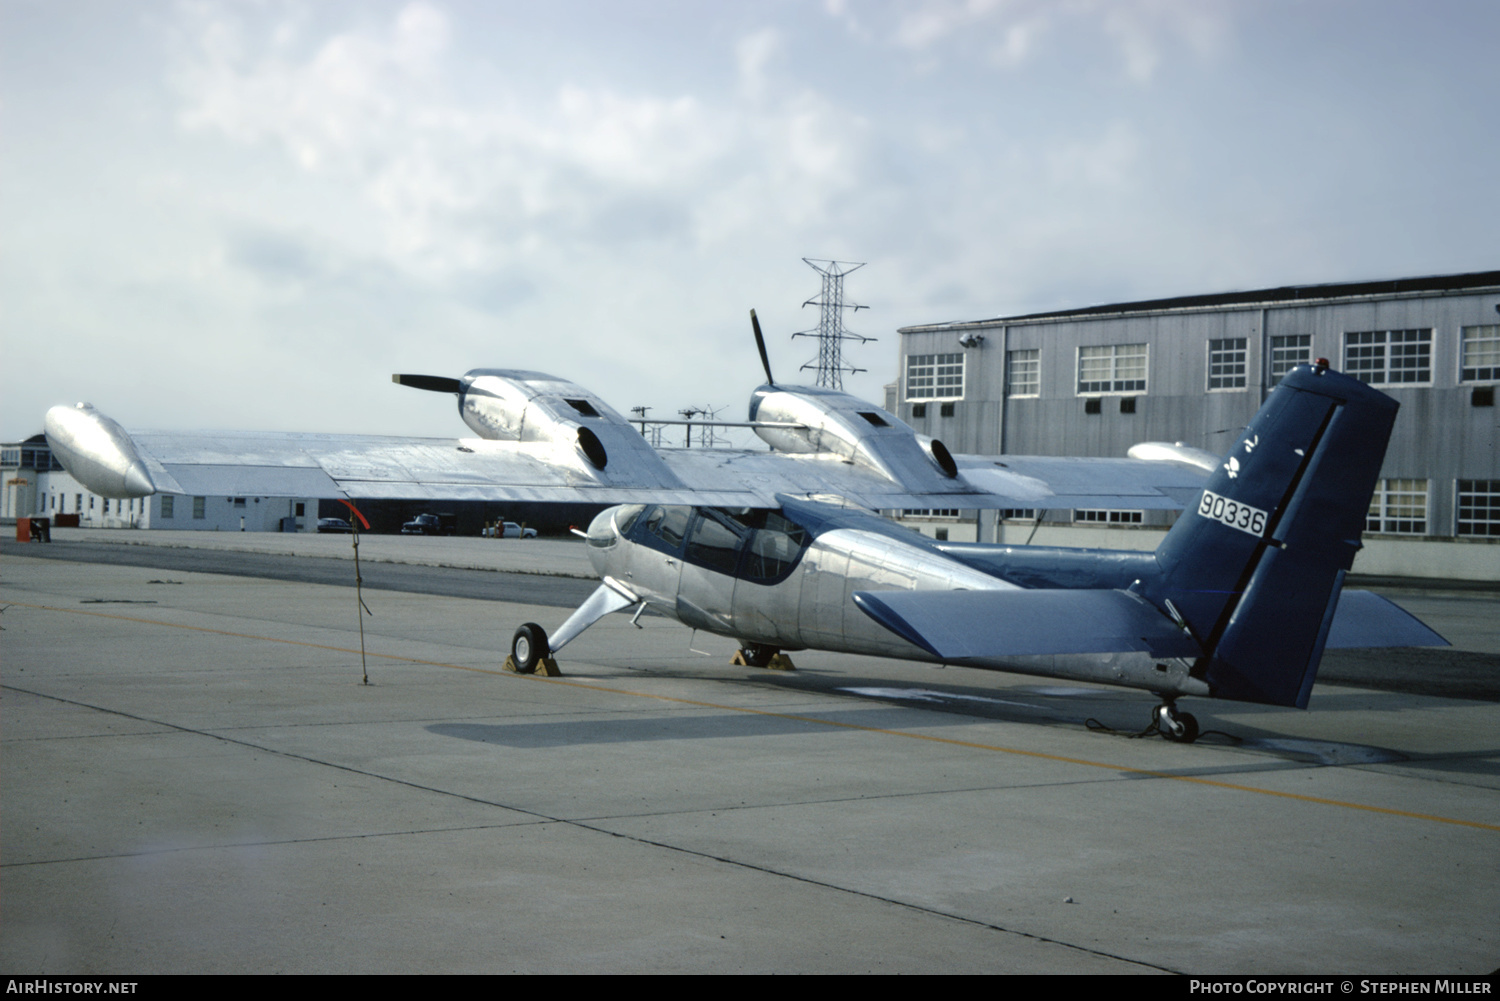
{"x": 1112, "y": 368}
{"x": 1024, "y": 373}
{"x": 1479, "y": 508}
{"x": 1389, "y": 357}
{"x": 1398, "y": 507}
{"x": 1481, "y": 353}
{"x": 168, "y": 503}
{"x": 1287, "y": 352}
{"x": 934, "y": 377}
{"x": 1226, "y": 363}
{"x": 198, "y": 504}
{"x": 1107, "y": 517}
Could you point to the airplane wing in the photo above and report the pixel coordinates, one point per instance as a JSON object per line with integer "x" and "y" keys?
{"x": 1022, "y": 482}
{"x": 540, "y": 438}
{"x": 237, "y": 463}
{"x": 370, "y": 466}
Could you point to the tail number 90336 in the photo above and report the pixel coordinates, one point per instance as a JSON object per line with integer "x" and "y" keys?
{"x": 1232, "y": 513}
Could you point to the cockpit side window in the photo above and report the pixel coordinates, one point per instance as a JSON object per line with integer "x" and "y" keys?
{"x": 715, "y": 543}
{"x": 774, "y": 548}
{"x": 669, "y": 524}
{"x": 625, "y": 518}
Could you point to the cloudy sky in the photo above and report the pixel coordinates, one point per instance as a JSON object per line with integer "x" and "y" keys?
{"x": 221, "y": 215}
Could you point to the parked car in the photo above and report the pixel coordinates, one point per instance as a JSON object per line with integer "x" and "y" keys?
{"x": 509, "y": 530}
{"x": 334, "y": 525}
{"x": 426, "y": 524}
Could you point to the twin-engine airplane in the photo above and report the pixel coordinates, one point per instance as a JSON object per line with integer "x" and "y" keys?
{"x": 782, "y": 549}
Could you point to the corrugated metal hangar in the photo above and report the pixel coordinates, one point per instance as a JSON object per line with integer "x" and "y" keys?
{"x": 1095, "y": 381}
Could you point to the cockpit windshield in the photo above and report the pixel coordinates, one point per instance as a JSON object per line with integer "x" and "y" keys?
{"x": 757, "y": 544}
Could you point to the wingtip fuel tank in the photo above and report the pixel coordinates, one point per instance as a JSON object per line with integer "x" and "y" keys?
{"x": 97, "y": 452}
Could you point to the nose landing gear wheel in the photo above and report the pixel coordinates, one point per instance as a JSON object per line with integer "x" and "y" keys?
{"x": 1180, "y": 728}
{"x": 528, "y": 648}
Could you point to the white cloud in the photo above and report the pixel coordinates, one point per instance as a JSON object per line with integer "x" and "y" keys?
{"x": 927, "y": 23}
{"x": 464, "y": 182}
{"x": 1009, "y": 32}
{"x": 1109, "y": 161}
{"x": 753, "y": 54}
{"x": 581, "y": 189}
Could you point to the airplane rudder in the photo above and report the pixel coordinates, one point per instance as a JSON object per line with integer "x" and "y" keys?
{"x": 1267, "y": 638}
{"x": 1206, "y": 555}
{"x": 1277, "y": 520}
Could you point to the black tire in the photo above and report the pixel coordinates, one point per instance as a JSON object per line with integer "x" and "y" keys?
{"x": 528, "y": 647}
{"x": 1189, "y": 728}
{"x": 757, "y": 654}
{"x": 1189, "y": 733}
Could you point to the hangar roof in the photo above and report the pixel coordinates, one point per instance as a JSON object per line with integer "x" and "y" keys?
{"x": 1285, "y": 293}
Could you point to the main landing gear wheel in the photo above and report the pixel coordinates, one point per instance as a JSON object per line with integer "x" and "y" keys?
{"x": 528, "y": 648}
{"x": 1180, "y": 728}
{"x": 757, "y": 654}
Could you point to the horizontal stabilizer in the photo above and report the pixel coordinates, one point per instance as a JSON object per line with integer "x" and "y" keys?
{"x": 983, "y": 625}
{"x": 1365, "y": 619}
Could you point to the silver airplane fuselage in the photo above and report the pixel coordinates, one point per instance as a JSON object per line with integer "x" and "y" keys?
{"x": 761, "y": 578}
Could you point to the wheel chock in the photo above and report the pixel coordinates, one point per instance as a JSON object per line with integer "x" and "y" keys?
{"x": 778, "y": 662}
{"x": 546, "y": 667}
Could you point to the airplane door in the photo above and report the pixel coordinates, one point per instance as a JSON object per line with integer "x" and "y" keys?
{"x": 767, "y": 594}
{"x": 655, "y": 563}
{"x": 705, "y": 592}
{"x": 821, "y": 616}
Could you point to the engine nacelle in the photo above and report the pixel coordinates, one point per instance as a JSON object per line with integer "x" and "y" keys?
{"x": 517, "y": 405}
{"x": 836, "y": 423}
{"x": 1175, "y": 451}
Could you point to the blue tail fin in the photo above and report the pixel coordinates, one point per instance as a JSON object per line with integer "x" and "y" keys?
{"x": 1255, "y": 570}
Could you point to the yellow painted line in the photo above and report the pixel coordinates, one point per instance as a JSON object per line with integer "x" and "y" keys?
{"x": 1196, "y": 780}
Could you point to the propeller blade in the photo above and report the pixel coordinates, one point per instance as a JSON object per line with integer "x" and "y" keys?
{"x": 760, "y": 342}
{"x": 431, "y": 383}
